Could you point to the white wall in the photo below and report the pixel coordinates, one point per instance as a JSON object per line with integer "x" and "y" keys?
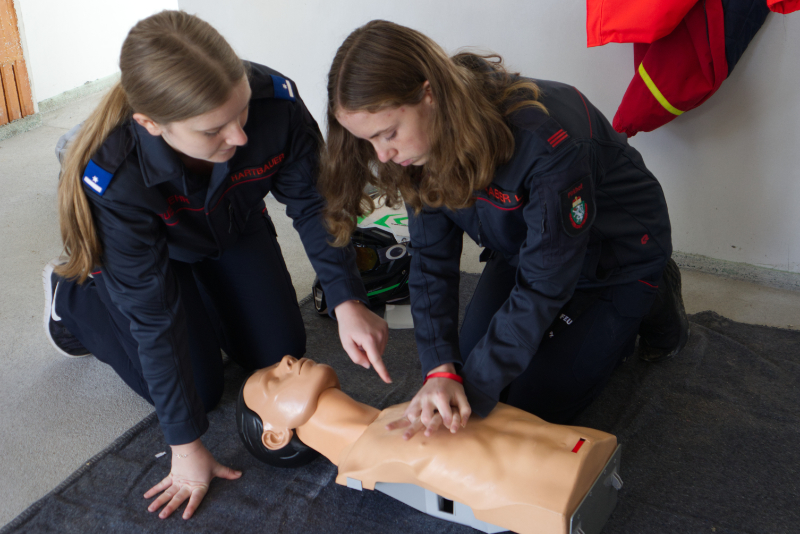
{"x": 729, "y": 168}
{"x": 69, "y": 43}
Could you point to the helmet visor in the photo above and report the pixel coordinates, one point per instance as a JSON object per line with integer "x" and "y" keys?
{"x": 366, "y": 258}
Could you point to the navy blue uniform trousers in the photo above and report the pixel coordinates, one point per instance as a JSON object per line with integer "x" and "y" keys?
{"x": 570, "y": 368}
{"x": 243, "y": 303}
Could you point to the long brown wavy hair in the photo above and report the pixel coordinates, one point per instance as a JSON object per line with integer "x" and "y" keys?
{"x": 174, "y": 66}
{"x": 384, "y": 65}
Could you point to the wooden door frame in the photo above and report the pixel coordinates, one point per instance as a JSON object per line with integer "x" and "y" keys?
{"x": 16, "y": 96}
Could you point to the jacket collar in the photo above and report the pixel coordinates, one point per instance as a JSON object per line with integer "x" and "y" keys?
{"x": 158, "y": 161}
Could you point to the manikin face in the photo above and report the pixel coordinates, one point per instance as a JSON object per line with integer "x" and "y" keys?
{"x": 212, "y": 136}
{"x": 285, "y": 395}
{"x": 400, "y": 134}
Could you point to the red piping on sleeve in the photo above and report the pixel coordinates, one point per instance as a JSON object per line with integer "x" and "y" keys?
{"x": 587, "y": 111}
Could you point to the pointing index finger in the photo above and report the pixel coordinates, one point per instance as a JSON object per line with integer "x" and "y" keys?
{"x": 377, "y": 362}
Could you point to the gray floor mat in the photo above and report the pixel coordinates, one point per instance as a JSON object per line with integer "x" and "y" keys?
{"x": 710, "y": 444}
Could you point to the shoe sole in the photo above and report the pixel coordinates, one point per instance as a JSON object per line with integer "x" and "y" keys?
{"x": 669, "y": 355}
{"x": 47, "y": 276}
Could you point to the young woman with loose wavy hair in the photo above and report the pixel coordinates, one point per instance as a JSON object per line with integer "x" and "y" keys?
{"x": 575, "y": 228}
{"x": 172, "y": 255}
{"x": 469, "y": 133}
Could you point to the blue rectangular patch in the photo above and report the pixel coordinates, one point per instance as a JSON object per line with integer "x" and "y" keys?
{"x": 282, "y": 88}
{"x": 97, "y": 178}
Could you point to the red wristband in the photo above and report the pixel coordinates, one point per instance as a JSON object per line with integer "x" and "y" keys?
{"x": 451, "y": 376}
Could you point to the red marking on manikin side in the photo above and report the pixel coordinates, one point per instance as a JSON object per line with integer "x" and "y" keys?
{"x": 578, "y": 445}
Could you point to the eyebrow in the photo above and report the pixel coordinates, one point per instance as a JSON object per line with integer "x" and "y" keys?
{"x": 220, "y": 127}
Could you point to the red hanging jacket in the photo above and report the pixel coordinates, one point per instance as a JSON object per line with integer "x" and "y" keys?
{"x": 685, "y": 62}
{"x": 633, "y": 21}
{"x": 677, "y": 72}
{"x": 783, "y": 6}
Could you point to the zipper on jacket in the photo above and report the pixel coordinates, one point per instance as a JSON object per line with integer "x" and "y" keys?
{"x": 230, "y": 216}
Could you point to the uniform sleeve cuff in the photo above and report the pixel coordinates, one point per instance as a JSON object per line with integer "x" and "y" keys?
{"x": 439, "y": 355}
{"x": 185, "y": 432}
{"x": 342, "y": 292}
{"x": 480, "y": 402}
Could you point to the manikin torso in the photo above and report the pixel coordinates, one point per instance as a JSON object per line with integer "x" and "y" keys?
{"x": 512, "y": 468}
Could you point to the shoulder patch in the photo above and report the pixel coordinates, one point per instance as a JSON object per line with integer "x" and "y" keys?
{"x": 97, "y": 178}
{"x": 553, "y": 134}
{"x": 577, "y": 207}
{"x": 282, "y": 88}
{"x": 557, "y": 138}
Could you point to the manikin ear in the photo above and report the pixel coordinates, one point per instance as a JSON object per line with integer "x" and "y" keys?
{"x": 149, "y": 124}
{"x": 276, "y": 438}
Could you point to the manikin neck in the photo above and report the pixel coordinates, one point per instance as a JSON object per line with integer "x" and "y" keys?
{"x": 336, "y": 424}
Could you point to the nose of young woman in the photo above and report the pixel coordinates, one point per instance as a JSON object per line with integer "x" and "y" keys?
{"x": 385, "y": 154}
{"x": 236, "y": 136}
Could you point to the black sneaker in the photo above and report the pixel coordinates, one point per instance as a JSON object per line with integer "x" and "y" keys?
{"x": 665, "y": 329}
{"x": 61, "y": 338}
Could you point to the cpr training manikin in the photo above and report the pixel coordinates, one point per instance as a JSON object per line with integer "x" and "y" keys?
{"x": 513, "y": 469}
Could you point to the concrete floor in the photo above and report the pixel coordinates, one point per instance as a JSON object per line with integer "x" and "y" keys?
{"x": 55, "y": 413}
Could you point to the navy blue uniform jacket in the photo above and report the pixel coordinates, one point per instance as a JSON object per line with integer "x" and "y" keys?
{"x": 575, "y": 207}
{"x": 153, "y": 210}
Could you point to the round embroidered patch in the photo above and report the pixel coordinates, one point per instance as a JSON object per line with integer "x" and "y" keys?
{"x": 578, "y": 213}
{"x": 577, "y": 206}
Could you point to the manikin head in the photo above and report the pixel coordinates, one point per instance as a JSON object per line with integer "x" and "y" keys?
{"x": 276, "y": 400}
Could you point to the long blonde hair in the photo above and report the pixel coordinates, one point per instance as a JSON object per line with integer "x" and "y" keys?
{"x": 174, "y": 66}
{"x": 384, "y": 65}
